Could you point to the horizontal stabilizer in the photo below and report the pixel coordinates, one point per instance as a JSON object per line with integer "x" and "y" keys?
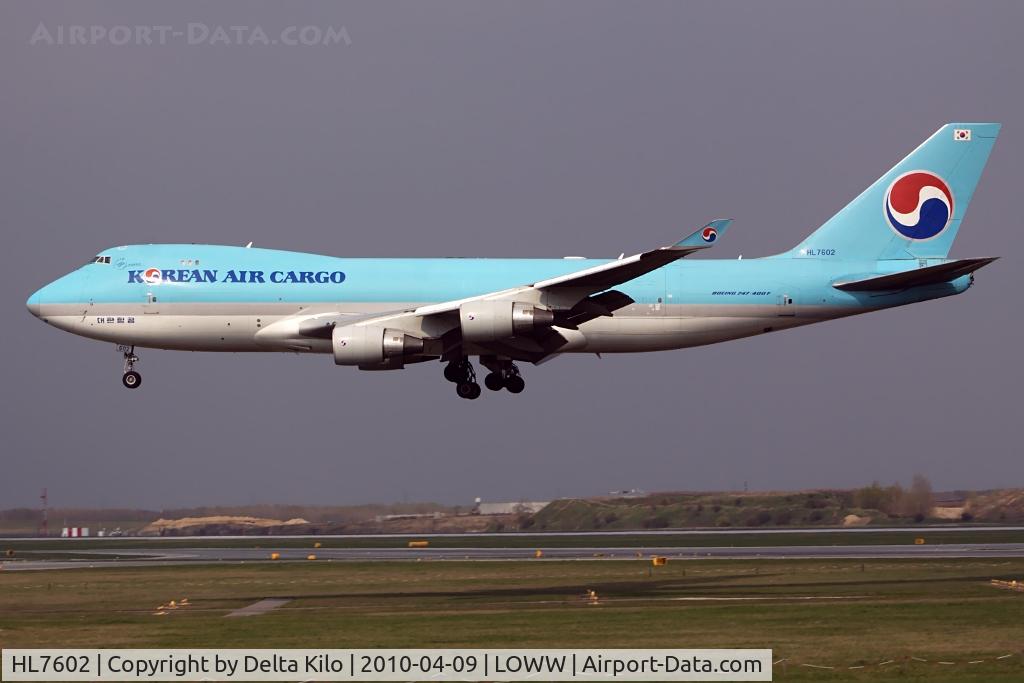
{"x": 929, "y": 275}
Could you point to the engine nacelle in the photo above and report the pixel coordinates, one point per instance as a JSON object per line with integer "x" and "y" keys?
{"x": 487, "y": 321}
{"x": 371, "y": 346}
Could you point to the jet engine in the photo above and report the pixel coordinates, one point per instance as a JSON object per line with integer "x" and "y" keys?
{"x": 372, "y": 346}
{"x": 487, "y": 321}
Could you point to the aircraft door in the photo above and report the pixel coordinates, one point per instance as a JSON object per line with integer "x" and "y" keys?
{"x": 785, "y": 305}
{"x": 150, "y": 299}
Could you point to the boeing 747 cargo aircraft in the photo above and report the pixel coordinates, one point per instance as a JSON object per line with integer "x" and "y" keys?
{"x": 888, "y": 247}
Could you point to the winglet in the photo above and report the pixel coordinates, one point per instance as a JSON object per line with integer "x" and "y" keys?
{"x": 705, "y": 236}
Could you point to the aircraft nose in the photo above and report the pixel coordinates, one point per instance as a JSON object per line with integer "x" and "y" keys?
{"x": 33, "y": 304}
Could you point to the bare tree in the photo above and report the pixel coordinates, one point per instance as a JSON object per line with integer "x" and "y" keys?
{"x": 917, "y": 501}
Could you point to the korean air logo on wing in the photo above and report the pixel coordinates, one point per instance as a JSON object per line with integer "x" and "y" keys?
{"x": 919, "y": 205}
{"x": 709, "y": 234}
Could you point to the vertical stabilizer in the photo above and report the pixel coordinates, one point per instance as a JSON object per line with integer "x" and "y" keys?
{"x": 914, "y": 210}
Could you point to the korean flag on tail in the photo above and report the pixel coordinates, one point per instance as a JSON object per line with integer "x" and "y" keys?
{"x": 962, "y": 134}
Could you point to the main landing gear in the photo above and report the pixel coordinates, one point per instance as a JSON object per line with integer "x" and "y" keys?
{"x": 461, "y": 373}
{"x": 130, "y": 379}
{"x": 503, "y": 375}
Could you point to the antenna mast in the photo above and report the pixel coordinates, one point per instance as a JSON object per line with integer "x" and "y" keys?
{"x": 44, "y": 529}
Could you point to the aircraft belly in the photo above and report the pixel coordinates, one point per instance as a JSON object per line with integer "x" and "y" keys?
{"x": 227, "y": 327}
{"x": 167, "y": 331}
{"x": 683, "y": 326}
{"x": 638, "y": 334}
{"x": 234, "y": 328}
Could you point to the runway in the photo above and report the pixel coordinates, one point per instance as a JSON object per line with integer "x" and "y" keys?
{"x": 188, "y": 556}
{"x": 695, "y": 531}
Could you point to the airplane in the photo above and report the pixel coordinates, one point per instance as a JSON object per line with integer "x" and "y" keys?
{"x": 888, "y": 247}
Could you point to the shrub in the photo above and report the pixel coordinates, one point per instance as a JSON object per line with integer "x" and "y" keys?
{"x": 760, "y": 519}
{"x": 874, "y": 497}
{"x": 815, "y": 502}
{"x": 656, "y": 522}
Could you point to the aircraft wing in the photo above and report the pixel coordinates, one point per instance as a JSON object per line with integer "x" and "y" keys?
{"x": 622, "y": 270}
{"x": 595, "y": 279}
{"x": 573, "y": 298}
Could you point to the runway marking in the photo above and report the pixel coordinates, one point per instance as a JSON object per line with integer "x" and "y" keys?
{"x": 261, "y": 607}
{"x": 753, "y": 597}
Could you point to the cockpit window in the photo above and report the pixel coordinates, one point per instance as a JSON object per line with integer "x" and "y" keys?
{"x": 100, "y": 259}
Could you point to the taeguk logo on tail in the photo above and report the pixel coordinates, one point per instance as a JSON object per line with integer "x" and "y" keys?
{"x": 709, "y": 234}
{"x": 919, "y": 205}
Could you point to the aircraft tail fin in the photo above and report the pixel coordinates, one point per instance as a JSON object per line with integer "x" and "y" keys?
{"x": 915, "y": 209}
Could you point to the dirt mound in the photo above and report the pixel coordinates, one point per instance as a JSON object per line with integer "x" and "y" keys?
{"x": 165, "y": 525}
{"x": 856, "y": 520}
{"x": 1005, "y": 505}
{"x": 462, "y": 524}
{"x": 948, "y": 512}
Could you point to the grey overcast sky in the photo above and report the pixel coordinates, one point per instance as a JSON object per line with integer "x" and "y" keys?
{"x": 502, "y": 129}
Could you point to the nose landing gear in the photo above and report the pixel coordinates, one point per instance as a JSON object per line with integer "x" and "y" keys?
{"x": 130, "y": 379}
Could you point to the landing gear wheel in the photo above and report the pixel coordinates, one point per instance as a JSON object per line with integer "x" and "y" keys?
{"x": 469, "y": 390}
{"x": 514, "y": 384}
{"x": 454, "y": 373}
{"x": 459, "y": 371}
{"x": 494, "y": 381}
{"x": 130, "y": 379}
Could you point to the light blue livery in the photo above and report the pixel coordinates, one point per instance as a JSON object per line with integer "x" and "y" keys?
{"x": 886, "y": 248}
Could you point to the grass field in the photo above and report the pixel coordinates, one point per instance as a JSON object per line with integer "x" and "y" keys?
{"x": 838, "y": 614}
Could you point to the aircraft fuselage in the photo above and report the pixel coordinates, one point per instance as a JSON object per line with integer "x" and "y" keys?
{"x": 219, "y": 298}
